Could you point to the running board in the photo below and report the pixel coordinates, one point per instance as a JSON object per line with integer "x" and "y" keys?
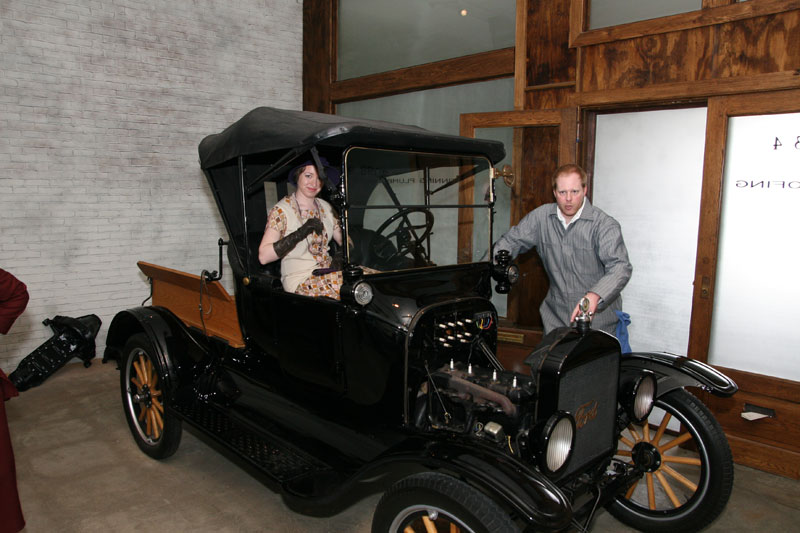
{"x": 277, "y": 460}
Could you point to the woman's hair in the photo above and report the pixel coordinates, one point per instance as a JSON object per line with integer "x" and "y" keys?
{"x": 331, "y": 173}
{"x": 564, "y": 170}
{"x": 295, "y": 174}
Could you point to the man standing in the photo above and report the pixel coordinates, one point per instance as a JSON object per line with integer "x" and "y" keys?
{"x": 582, "y": 250}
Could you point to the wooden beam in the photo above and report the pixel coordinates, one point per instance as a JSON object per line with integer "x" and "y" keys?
{"x": 682, "y": 21}
{"x": 521, "y": 55}
{"x": 508, "y": 119}
{"x": 319, "y": 54}
{"x": 467, "y": 69}
{"x": 690, "y": 90}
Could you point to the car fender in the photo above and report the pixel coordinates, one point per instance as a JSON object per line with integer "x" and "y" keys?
{"x": 165, "y": 332}
{"x": 504, "y": 478}
{"x": 512, "y": 484}
{"x": 675, "y": 371}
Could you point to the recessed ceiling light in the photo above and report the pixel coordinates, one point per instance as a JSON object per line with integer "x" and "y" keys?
{"x": 463, "y": 12}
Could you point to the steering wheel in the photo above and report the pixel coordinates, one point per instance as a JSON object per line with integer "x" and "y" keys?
{"x": 405, "y": 234}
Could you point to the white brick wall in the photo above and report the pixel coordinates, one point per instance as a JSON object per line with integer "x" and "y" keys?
{"x": 102, "y": 106}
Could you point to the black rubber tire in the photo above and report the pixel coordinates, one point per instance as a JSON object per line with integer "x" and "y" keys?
{"x": 444, "y": 500}
{"x": 156, "y": 432}
{"x": 713, "y": 475}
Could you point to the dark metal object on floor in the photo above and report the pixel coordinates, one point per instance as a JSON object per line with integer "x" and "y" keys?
{"x": 72, "y": 337}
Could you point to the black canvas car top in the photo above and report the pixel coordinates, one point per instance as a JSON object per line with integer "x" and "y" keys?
{"x": 267, "y": 129}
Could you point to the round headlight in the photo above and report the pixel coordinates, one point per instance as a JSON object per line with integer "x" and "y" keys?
{"x": 644, "y": 394}
{"x": 512, "y": 274}
{"x": 559, "y": 439}
{"x": 362, "y": 293}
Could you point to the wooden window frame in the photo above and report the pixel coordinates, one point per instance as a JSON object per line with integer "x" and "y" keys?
{"x": 720, "y": 110}
{"x": 713, "y": 12}
{"x": 320, "y": 65}
{"x": 566, "y": 119}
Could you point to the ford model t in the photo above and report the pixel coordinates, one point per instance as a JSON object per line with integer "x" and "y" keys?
{"x": 398, "y": 383}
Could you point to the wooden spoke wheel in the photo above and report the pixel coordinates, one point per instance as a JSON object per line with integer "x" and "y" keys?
{"x": 687, "y": 465}
{"x": 155, "y": 431}
{"x": 436, "y": 503}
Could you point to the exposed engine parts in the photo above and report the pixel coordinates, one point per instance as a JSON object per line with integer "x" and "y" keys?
{"x": 466, "y": 398}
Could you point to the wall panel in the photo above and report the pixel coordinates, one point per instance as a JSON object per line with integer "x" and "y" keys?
{"x": 741, "y": 48}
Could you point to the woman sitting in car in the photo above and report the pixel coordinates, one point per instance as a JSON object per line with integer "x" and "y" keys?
{"x": 299, "y": 228}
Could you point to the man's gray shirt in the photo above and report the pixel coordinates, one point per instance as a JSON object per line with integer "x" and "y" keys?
{"x": 589, "y": 255}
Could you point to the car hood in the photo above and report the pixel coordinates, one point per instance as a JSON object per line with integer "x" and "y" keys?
{"x": 398, "y": 296}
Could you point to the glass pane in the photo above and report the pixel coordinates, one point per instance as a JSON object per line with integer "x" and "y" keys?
{"x": 502, "y": 219}
{"x": 502, "y": 206}
{"x": 382, "y": 35}
{"x": 756, "y": 291}
{"x": 648, "y": 175}
{"x": 604, "y": 13}
{"x": 440, "y": 110}
{"x": 408, "y": 210}
{"x": 436, "y": 109}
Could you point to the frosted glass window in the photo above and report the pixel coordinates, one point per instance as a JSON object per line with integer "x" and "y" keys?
{"x": 382, "y": 35}
{"x": 604, "y": 13}
{"x": 757, "y": 289}
{"x": 436, "y": 109}
{"x": 648, "y": 175}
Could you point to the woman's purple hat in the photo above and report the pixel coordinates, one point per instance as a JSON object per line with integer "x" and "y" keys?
{"x": 331, "y": 172}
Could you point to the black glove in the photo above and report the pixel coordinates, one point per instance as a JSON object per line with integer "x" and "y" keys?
{"x": 286, "y": 244}
{"x": 337, "y": 261}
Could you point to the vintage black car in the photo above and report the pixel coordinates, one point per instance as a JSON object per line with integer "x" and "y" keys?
{"x": 398, "y": 385}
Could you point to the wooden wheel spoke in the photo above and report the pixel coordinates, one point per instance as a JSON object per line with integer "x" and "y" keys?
{"x": 157, "y": 405}
{"x": 408, "y": 529}
{"x": 662, "y": 427}
{"x": 646, "y": 431}
{"x": 136, "y": 382}
{"x": 651, "y": 492}
{"x": 627, "y": 442}
{"x": 668, "y": 489}
{"x": 694, "y": 461}
{"x": 142, "y": 413}
{"x": 144, "y": 364}
{"x": 624, "y": 453}
{"x": 634, "y": 433}
{"x": 139, "y": 373}
{"x": 148, "y": 422}
{"x": 156, "y": 431}
{"x": 680, "y": 439}
{"x": 629, "y": 494}
{"x": 430, "y": 527}
{"x": 679, "y": 477}
{"x": 158, "y": 419}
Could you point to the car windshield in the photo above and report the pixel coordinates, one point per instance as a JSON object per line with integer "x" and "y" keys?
{"x": 414, "y": 210}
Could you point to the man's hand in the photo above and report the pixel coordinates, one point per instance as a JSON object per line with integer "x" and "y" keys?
{"x": 594, "y": 300}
